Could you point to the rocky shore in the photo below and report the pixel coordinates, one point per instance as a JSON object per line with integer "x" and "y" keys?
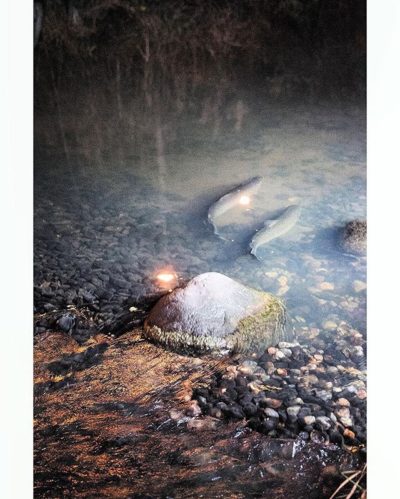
{"x": 120, "y": 418}
{"x": 315, "y": 392}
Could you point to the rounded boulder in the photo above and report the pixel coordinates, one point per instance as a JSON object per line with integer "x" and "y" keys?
{"x": 216, "y": 314}
{"x": 354, "y": 237}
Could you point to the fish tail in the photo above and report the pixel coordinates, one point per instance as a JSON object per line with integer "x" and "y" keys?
{"x": 253, "y": 252}
{"x": 222, "y": 237}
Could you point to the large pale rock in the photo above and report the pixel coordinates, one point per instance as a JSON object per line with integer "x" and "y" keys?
{"x": 214, "y": 313}
{"x": 354, "y": 238}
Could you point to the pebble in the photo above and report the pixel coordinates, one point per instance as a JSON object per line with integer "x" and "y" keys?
{"x": 193, "y": 409}
{"x": 303, "y": 393}
{"x": 282, "y": 290}
{"x": 349, "y": 434}
{"x": 332, "y": 370}
{"x": 325, "y": 422}
{"x": 283, "y": 280}
{"x": 176, "y": 415}
{"x": 207, "y": 423}
{"x": 66, "y": 322}
{"x": 362, "y": 394}
{"x": 271, "y": 413}
{"x": 310, "y": 379}
{"x": 329, "y": 325}
{"x": 359, "y": 286}
{"x": 326, "y": 286}
{"x": 309, "y": 420}
{"x": 293, "y": 410}
{"x": 286, "y": 344}
{"x": 273, "y": 403}
{"x": 344, "y": 417}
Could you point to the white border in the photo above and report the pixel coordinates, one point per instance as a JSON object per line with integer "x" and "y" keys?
{"x": 16, "y": 369}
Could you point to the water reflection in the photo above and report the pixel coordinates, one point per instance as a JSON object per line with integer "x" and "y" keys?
{"x": 110, "y": 226}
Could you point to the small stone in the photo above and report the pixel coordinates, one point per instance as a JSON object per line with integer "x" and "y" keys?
{"x": 216, "y": 413}
{"x": 48, "y": 307}
{"x": 66, "y": 322}
{"x": 272, "y": 350}
{"x": 283, "y": 280}
{"x": 323, "y": 394}
{"x": 286, "y": 344}
{"x": 193, "y": 409}
{"x": 317, "y": 437}
{"x": 343, "y": 402}
{"x": 349, "y": 434}
{"x": 271, "y": 413}
{"x": 269, "y": 424}
{"x": 245, "y": 370}
{"x": 310, "y": 379}
{"x": 332, "y": 417}
{"x": 297, "y": 401}
{"x": 274, "y": 403}
{"x": 362, "y": 394}
{"x": 293, "y": 410}
{"x": 282, "y": 372}
{"x": 250, "y": 363}
{"x": 279, "y": 355}
{"x": 207, "y": 423}
{"x": 326, "y": 286}
{"x": 235, "y": 411}
{"x": 309, "y": 420}
{"x": 329, "y": 325}
{"x": 335, "y": 437}
{"x": 255, "y": 387}
{"x": 332, "y": 370}
{"x": 250, "y": 409}
{"x": 318, "y": 357}
{"x": 176, "y": 415}
{"x": 344, "y": 416}
{"x": 282, "y": 290}
{"x": 324, "y": 422}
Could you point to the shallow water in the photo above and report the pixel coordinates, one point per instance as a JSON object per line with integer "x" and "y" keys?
{"x": 135, "y": 214}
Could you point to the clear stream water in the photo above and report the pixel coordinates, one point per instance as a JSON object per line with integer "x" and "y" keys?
{"x": 149, "y": 211}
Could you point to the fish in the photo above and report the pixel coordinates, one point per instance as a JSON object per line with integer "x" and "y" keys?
{"x": 232, "y": 199}
{"x": 275, "y": 228}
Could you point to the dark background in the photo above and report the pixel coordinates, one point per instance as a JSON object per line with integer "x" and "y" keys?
{"x": 102, "y": 67}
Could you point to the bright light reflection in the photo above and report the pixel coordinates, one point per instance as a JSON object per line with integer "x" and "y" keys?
{"x": 244, "y": 200}
{"x": 164, "y": 277}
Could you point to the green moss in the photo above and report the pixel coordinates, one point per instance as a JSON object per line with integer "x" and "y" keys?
{"x": 261, "y": 330}
{"x": 186, "y": 342}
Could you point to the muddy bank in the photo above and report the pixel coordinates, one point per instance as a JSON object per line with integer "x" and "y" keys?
{"x": 115, "y": 418}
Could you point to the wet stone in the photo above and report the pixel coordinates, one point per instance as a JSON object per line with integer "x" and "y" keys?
{"x": 66, "y": 322}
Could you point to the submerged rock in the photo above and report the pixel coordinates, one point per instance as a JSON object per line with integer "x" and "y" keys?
{"x": 354, "y": 238}
{"x": 214, "y": 313}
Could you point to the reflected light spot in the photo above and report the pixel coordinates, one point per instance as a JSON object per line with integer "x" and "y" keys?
{"x": 244, "y": 200}
{"x": 165, "y": 277}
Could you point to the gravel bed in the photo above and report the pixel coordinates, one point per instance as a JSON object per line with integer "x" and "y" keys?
{"x": 316, "y": 391}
